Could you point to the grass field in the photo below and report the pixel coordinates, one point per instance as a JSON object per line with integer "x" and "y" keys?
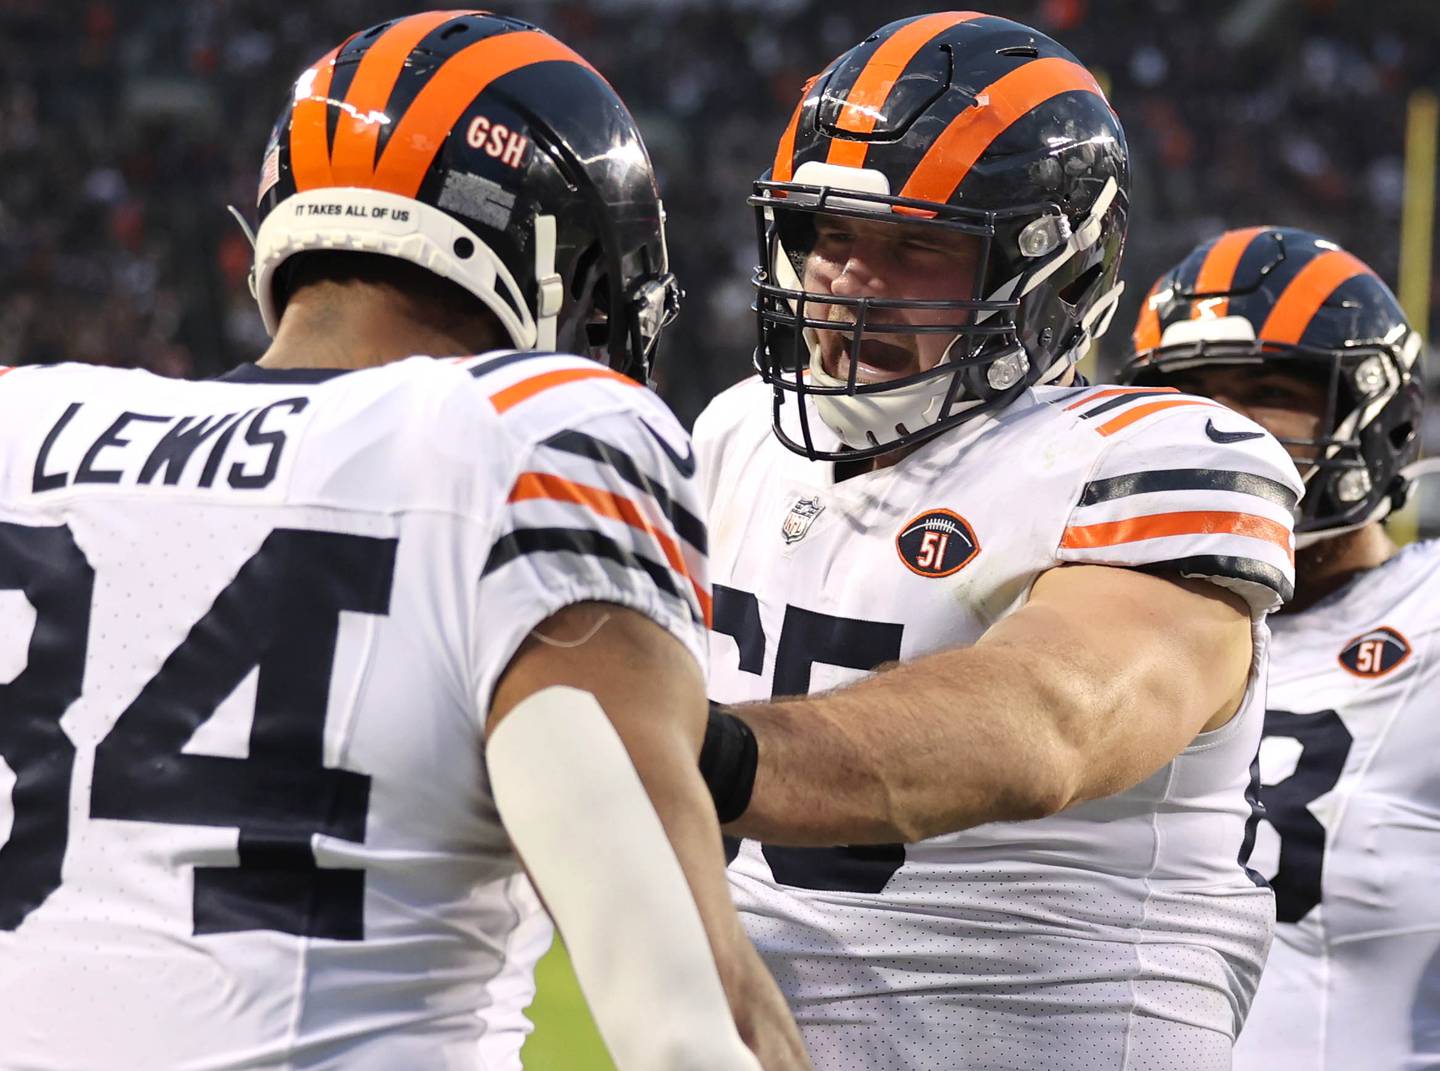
{"x": 565, "y": 1037}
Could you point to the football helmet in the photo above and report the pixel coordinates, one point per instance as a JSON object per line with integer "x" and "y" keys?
{"x": 484, "y": 150}
{"x": 1279, "y": 299}
{"x": 978, "y": 130}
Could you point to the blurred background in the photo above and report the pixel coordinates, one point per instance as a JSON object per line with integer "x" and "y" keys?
{"x": 125, "y": 129}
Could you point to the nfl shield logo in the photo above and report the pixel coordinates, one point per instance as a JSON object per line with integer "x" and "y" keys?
{"x": 802, "y": 516}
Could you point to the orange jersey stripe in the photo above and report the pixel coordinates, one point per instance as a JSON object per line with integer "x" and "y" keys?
{"x": 1147, "y": 328}
{"x": 970, "y": 133}
{"x": 1307, "y": 292}
{"x": 878, "y": 77}
{"x": 309, "y": 139}
{"x": 1140, "y": 412}
{"x": 533, "y": 485}
{"x": 1160, "y": 525}
{"x": 421, "y": 131}
{"x": 352, "y": 160}
{"x": 1217, "y": 273}
{"x": 516, "y": 393}
{"x": 1112, "y": 392}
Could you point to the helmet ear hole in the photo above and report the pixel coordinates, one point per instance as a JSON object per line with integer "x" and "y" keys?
{"x": 1077, "y": 290}
{"x": 582, "y": 279}
{"x": 1401, "y": 434}
{"x": 597, "y": 323}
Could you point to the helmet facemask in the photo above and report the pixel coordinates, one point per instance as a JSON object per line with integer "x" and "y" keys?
{"x": 986, "y": 355}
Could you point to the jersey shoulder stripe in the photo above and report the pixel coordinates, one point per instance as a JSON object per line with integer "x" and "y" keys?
{"x": 1137, "y": 413}
{"x": 1123, "y": 406}
{"x": 480, "y": 367}
{"x": 520, "y": 542}
{"x": 1113, "y": 398}
{"x": 1192, "y": 522}
{"x": 511, "y": 396}
{"x": 1157, "y": 481}
{"x": 1169, "y": 496}
{"x": 604, "y": 475}
{"x": 544, "y": 485}
{"x": 1211, "y": 566}
{"x": 687, "y": 525}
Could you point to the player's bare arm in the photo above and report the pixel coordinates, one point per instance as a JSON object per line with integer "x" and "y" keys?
{"x": 652, "y": 693}
{"x": 1099, "y": 680}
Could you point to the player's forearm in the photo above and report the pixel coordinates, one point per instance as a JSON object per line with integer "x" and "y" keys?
{"x": 1045, "y": 711}
{"x": 927, "y": 747}
{"x": 591, "y": 751}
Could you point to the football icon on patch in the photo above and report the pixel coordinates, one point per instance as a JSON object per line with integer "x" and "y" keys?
{"x": 1376, "y": 653}
{"x": 937, "y": 543}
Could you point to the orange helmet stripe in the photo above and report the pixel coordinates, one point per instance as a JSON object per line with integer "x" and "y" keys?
{"x": 1217, "y": 272}
{"x": 352, "y": 160}
{"x": 878, "y": 77}
{"x": 970, "y": 133}
{"x": 1307, "y": 292}
{"x": 309, "y": 138}
{"x": 421, "y": 131}
{"x": 784, "y": 167}
{"x": 1147, "y": 328}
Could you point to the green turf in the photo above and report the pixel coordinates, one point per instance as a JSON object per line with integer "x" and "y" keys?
{"x": 565, "y": 1037}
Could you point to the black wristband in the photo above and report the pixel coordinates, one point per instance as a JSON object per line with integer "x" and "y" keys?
{"x": 727, "y": 762}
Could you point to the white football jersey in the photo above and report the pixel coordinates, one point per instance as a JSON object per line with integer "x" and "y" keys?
{"x": 249, "y": 631}
{"x": 1351, "y": 840}
{"x": 1125, "y": 933}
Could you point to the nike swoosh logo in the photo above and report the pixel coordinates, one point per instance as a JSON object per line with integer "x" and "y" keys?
{"x": 1219, "y": 436}
{"x": 685, "y": 465}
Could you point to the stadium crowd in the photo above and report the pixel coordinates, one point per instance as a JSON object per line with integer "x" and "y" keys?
{"x": 126, "y": 130}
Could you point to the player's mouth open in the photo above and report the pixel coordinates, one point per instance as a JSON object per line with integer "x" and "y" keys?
{"x": 878, "y": 361}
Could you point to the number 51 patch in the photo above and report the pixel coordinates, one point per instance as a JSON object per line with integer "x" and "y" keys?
{"x": 937, "y": 543}
{"x": 1376, "y": 653}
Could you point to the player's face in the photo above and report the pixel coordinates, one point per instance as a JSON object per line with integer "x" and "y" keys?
{"x": 867, "y": 258}
{"x": 1287, "y": 405}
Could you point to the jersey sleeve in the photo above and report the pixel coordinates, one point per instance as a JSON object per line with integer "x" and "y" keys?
{"x": 605, "y": 510}
{"x": 1172, "y": 492}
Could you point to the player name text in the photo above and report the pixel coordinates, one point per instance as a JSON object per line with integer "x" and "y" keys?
{"x": 240, "y": 450}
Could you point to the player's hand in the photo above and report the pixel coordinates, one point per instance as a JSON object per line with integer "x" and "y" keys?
{"x": 766, "y": 1025}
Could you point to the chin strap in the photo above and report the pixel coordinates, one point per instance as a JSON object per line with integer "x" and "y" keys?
{"x": 1426, "y": 466}
{"x": 1309, "y": 539}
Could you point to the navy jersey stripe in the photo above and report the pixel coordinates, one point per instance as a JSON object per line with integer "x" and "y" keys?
{"x": 1140, "y": 483}
{"x": 687, "y": 526}
{"x": 1125, "y": 399}
{"x": 1256, "y": 572}
{"x": 505, "y": 360}
{"x": 524, "y": 541}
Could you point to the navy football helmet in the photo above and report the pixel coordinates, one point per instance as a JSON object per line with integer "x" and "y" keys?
{"x": 1276, "y": 298}
{"x": 966, "y": 129}
{"x": 484, "y": 150}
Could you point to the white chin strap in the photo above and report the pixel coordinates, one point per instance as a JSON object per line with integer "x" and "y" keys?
{"x": 353, "y": 219}
{"x": 866, "y": 420}
{"x": 1309, "y": 539}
